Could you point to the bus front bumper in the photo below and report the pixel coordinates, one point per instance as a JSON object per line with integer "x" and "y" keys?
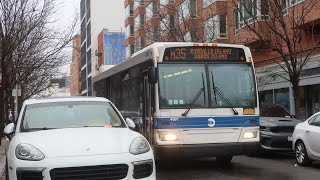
{"x": 204, "y": 150}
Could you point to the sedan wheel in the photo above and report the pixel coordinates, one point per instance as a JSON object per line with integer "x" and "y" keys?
{"x": 301, "y": 154}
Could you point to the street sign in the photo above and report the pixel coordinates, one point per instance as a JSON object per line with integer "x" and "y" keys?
{"x": 14, "y": 92}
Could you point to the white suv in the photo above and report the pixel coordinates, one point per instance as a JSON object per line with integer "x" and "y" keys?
{"x": 76, "y": 138}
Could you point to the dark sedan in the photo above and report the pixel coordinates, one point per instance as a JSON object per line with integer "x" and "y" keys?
{"x": 276, "y": 128}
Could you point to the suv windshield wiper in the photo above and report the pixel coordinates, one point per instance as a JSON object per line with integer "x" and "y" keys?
{"x": 37, "y": 129}
{"x": 216, "y": 90}
{"x": 196, "y": 97}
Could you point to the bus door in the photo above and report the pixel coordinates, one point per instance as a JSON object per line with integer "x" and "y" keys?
{"x": 147, "y": 109}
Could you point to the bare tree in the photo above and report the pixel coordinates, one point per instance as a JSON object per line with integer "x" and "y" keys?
{"x": 178, "y": 21}
{"x": 280, "y": 27}
{"x": 31, "y": 48}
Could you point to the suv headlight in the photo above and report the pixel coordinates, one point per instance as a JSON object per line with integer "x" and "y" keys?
{"x": 28, "y": 152}
{"x": 139, "y": 146}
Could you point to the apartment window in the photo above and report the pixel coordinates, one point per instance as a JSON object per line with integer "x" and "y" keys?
{"x": 83, "y": 31}
{"x": 187, "y": 9}
{"x": 89, "y": 61}
{"x": 187, "y": 37}
{"x": 84, "y": 79}
{"x": 89, "y": 35}
{"x": 129, "y": 30}
{"x": 285, "y": 6}
{"x": 138, "y": 3}
{"x": 206, "y": 3}
{"x": 89, "y": 87}
{"x": 151, "y": 10}
{"x": 215, "y": 28}
{"x": 251, "y": 10}
{"x": 138, "y": 22}
{"x": 82, "y": 8}
{"x": 129, "y": 50}
{"x": 83, "y": 55}
{"x": 155, "y": 33}
{"x": 167, "y": 23}
{"x": 142, "y": 42}
{"x": 129, "y": 10}
{"x": 236, "y": 19}
{"x": 294, "y": 2}
{"x": 88, "y": 7}
{"x": 165, "y": 2}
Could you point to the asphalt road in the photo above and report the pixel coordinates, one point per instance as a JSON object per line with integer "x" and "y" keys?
{"x": 273, "y": 167}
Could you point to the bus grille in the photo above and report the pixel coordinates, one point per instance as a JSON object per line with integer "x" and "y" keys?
{"x": 117, "y": 171}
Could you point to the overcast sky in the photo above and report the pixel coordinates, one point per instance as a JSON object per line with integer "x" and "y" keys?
{"x": 114, "y": 11}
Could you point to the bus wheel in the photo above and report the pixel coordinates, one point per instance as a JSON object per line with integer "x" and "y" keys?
{"x": 224, "y": 160}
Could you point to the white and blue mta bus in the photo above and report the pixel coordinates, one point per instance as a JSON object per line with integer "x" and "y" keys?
{"x": 188, "y": 99}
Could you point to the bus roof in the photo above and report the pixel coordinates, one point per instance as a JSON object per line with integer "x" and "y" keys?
{"x": 148, "y": 53}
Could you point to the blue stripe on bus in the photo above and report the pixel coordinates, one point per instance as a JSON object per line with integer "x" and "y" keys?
{"x": 203, "y": 122}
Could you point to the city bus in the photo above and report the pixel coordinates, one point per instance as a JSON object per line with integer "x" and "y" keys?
{"x": 188, "y": 99}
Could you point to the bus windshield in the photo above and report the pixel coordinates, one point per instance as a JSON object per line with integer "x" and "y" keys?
{"x": 179, "y": 84}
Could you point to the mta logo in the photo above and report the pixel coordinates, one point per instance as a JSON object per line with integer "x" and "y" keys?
{"x": 211, "y": 122}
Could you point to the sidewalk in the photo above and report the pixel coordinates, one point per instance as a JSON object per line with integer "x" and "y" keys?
{"x": 3, "y": 147}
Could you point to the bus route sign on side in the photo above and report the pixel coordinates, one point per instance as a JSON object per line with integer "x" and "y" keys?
{"x": 196, "y": 53}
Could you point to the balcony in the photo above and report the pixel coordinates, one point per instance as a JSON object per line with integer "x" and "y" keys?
{"x": 129, "y": 40}
{"x": 218, "y": 7}
{"x": 247, "y": 37}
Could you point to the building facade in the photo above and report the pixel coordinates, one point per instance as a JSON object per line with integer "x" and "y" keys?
{"x": 231, "y": 21}
{"x": 75, "y": 69}
{"x": 93, "y": 16}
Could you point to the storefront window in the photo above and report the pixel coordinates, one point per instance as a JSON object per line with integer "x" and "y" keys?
{"x": 266, "y": 97}
{"x": 282, "y": 98}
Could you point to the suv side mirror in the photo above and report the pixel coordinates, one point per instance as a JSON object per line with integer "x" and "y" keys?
{"x": 9, "y": 130}
{"x": 153, "y": 75}
{"x": 130, "y": 123}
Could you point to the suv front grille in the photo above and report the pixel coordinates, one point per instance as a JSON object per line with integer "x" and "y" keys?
{"x": 142, "y": 169}
{"x": 106, "y": 172}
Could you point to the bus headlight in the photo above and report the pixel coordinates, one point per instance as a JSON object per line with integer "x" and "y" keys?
{"x": 168, "y": 137}
{"x": 250, "y": 135}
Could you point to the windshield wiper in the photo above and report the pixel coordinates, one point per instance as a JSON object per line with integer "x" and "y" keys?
{"x": 196, "y": 97}
{"x": 37, "y": 129}
{"x": 216, "y": 90}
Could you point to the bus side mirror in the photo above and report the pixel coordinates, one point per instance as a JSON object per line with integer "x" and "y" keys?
{"x": 153, "y": 75}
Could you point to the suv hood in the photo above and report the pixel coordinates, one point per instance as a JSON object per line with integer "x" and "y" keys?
{"x": 80, "y": 141}
{"x": 278, "y": 121}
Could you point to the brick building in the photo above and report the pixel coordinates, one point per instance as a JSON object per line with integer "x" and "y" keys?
{"x": 75, "y": 69}
{"x": 227, "y": 21}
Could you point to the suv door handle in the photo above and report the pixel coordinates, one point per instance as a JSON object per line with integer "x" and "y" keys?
{"x": 308, "y": 132}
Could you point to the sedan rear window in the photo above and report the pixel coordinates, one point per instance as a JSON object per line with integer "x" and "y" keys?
{"x": 72, "y": 114}
{"x": 273, "y": 111}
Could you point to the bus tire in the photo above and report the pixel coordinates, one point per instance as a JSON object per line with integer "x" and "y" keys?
{"x": 224, "y": 160}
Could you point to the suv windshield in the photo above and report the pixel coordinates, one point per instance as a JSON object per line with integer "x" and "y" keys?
{"x": 273, "y": 111}
{"x": 70, "y": 115}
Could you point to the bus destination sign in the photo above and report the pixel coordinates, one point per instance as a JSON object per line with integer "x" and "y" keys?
{"x": 206, "y": 53}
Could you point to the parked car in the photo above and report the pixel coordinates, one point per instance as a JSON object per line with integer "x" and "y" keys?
{"x": 76, "y": 138}
{"x": 276, "y": 128}
{"x": 306, "y": 137}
